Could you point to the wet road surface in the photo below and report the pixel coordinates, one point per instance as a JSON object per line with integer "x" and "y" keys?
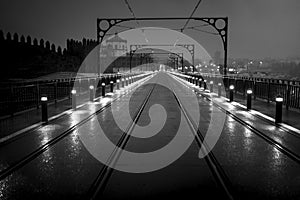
{"x": 69, "y": 168}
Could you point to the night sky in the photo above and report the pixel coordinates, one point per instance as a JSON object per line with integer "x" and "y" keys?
{"x": 257, "y": 28}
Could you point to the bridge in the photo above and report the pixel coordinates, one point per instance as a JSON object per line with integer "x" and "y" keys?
{"x": 116, "y": 122}
{"x": 151, "y": 135}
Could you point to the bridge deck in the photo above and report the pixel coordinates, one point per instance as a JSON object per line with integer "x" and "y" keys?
{"x": 69, "y": 158}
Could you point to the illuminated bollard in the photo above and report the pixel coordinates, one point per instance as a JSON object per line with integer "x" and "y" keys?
{"x": 44, "y": 101}
{"x": 122, "y": 80}
{"x": 231, "y": 88}
{"x": 73, "y": 92}
{"x": 249, "y": 99}
{"x": 205, "y": 86}
{"x": 219, "y": 89}
{"x": 211, "y": 86}
{"x": 111, "y": 86}
{"x": 91, "y": 93}
{"x": 200, "y": 83}
{"x": 118, "y": 84}
{"x": 103, "y": 89}
{"x": 278, "y": 114}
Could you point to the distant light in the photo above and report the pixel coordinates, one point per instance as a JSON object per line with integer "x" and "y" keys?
{"x": 91, "y": 87}
{"x": 118, "y": 81}
{"x": 103, "y": 84}
{"x": 122, "y": 79}
{"x": 231, "y": 87}
{"x": 219, "y": 84}
{"x": 279, "y": 99}
{"x": 111, "y": 82}
{"x": 205, "y": 81}
{"x": 249, "y": 91}
{"x": 230, "y": 69}
{"x": 44, "y": 99}
{"x": 73, "y": 91}
{"x": 211, "y": 82}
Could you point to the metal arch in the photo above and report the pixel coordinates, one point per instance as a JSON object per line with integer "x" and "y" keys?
{"x": 212, "y": 21}
{"x": 139, "y": 46}
{"x": 189, "y": 47}
{"x": 178, "y": 55}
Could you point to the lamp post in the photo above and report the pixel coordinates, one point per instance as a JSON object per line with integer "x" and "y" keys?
{"x": 211, "y": 86}
{"x": 111, "y": 86}
{"x": 205, "y": 86}
{"x": 219, "y": 89}
{"x": 44, "y": 101}
{"x": 278, "y": 114}
{"x": 231, "y": 89}
{"x": 118, "y": 84}
{"x": 200, "y": 83}
{"x": 249, "y": 99}
{"x": 73, "y": 92}
{"x": 91, "y": 93}
{"x": 122, "y": 80}
{"x": 103, "y": 89}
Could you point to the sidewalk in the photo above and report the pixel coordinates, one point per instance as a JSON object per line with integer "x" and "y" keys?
{"x": 28, "y": 118}
{"x": 11, "y": 126}
{"x": 290, "y": 117}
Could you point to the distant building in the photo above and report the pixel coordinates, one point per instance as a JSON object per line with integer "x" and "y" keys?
{"x": 114, "y": 47}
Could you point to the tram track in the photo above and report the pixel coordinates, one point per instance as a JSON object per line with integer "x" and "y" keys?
{"x": 102, "y": 179}
{"x": 286, "y": 151}
{"x": 38, "y": 151}
{"x": 215, "y": 167}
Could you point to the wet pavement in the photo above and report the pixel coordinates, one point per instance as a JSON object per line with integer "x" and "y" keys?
{"x": 69, "y": 158}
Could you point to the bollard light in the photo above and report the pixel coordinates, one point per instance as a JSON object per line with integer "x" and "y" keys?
{"x": 44, "y": 101}
{"x": 219, "y": 89}
{"x": 211, "y": 86}
{"x": 231, "y": 88}
{"x": 204, "y": 85}
{"x": 103, "y": 89}
{"x": 278, "y": 114}
{"x": 111, "y": 86}
{"x": 91, "y": 93}
{"x": 200, "y": 83}
{"x": 122, "y": 82}
{"x": 118, "y": 84}
{"x": 249, "y": 99}
{"x": 73, "y": 92}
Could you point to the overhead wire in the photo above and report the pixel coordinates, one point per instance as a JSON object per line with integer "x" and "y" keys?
{"x": 191, "y": 15}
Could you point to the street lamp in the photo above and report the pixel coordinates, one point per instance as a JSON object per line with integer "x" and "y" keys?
{"x": 231, "y": 88}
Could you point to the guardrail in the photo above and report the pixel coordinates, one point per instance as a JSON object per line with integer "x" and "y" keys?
{"x": 21, "y": 96}
{"x": 263, "y": 88}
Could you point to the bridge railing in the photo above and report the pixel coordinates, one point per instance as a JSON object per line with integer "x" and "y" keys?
{"x": 263, "y": 88}
{"x": 21, "y": 96}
